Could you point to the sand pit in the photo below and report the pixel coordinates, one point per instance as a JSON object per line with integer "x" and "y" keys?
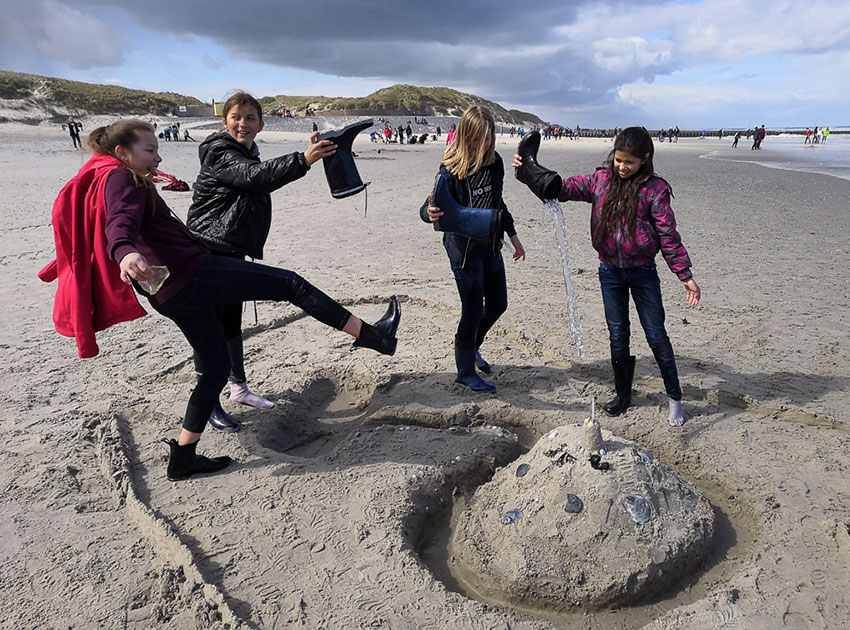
{"x": 557, "y": 529}
{"x": 295, "y": 535}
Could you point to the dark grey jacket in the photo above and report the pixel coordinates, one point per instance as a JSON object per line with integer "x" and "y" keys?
{"x": 231, "y": 205}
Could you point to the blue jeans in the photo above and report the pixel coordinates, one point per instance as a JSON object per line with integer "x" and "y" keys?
{"x": 220, "y": 281}
{"x": 483, "y": 295}
{"x": 645, "y": 289}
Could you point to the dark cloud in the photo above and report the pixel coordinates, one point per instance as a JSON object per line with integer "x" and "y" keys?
{"x": 488, "y": 47}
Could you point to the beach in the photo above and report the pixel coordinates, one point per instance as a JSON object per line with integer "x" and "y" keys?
{"x": 334, "y": 514}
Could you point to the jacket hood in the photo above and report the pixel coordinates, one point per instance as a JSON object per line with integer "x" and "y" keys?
{"x": 98, "y": 161}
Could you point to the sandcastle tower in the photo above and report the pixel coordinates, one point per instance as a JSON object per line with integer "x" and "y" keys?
{"x": 591, "y": 437}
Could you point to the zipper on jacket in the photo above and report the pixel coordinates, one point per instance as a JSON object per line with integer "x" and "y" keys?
{"x": 619, "y": 251}
{"x": 468, "y": 240}
{"x": 465, "y": 252}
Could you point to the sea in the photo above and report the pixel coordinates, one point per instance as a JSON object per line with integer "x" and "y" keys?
{"x": 788, "y": 152}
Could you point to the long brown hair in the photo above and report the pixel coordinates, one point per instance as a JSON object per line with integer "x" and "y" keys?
{"x": 463, "y": 158}
{"x": 622, "y": 198}
{"x": 124, "y": 133}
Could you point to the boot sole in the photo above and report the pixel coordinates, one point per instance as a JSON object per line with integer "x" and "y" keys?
{"x": 226, "y": 429}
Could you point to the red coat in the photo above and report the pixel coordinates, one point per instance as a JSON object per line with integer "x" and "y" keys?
{"x": 90, "y": 296}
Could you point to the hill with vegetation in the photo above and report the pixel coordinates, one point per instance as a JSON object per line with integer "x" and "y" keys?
{"x": 397, "y": 100}
{"x": 38, "y": 97}
{"x": 34, "y": 98}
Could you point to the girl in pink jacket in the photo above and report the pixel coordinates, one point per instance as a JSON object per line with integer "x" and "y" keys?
{"x": 631, "y": 221}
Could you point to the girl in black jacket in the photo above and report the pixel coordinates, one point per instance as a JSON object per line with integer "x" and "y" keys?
{"x": 475, "y": 176}
{"x": 231, "y": 212}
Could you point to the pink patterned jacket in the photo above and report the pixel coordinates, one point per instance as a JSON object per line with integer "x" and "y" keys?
{"x": 655, "y": 224}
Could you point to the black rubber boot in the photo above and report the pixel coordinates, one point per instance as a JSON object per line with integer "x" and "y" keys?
{"x": 340, "y": 170}
{"x": 624, "y": 373}
{"x": 481, "y": 364}
{"x": 222, "y": 421}
{"x": 481, "y": 224}
{"x": 540, "y": 180}
{"x": 380, "y": 336}
{"x": 466, "y": 374}
{"x": 185, "y": 462}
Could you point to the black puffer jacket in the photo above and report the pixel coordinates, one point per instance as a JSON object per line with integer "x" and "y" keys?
{"x": 231, "y": 205}
{"x": 457, "y": 245}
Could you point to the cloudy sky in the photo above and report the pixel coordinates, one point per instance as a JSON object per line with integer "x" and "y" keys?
{"x": 695, "y": 63}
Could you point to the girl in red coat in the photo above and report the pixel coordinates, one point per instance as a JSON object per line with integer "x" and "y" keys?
{"x": 142, "y": 234}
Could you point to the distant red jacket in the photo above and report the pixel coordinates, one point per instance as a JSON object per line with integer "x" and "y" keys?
{"x": 90, "y": 296}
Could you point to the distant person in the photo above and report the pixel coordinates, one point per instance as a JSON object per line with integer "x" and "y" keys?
{"x": 720, "y": 135}
{"x": 315, "y": 127}
{"x": 630, "y": 222}
{"x": 231, "y": 214}
{"x": 186, "y": 136}
{"x": 135, "y": 228}
{"x": 735, "y": 140}
{"x": 400, "y": 132}
{"x": 438, "y": 131}
{"x": 824, "y": 135}
{"x": 758, "y": 137}
{"x": 474, "y": 174}
{"x": 408, "y": 131}
{"x": 702, "y": 135}
{"x": 450, "y": 136}
{"x": 808, "y": 136}
{"x": 815, "y": 136}
{"x": 74, "y": 129}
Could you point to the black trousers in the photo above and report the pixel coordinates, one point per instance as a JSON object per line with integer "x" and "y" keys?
{"x": 221, "y": 281}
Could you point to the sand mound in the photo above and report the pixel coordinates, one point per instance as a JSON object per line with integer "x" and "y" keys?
{"x": 554, "y": 530}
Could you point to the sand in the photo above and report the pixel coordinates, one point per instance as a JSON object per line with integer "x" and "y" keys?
{"x": 334, "y": 514}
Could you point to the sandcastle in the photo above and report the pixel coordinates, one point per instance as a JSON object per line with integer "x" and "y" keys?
{"x": 564, "y": 526}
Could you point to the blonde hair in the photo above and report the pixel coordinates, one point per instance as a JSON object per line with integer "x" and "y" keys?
{"x": 463, "y": 157}
{"x": 124, "y": 133}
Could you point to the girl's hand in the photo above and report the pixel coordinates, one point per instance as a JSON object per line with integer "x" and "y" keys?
{"x": 519, "y": 250}
{"x": 433, "y": 213}
{"x": 318, "y": 150}
{"x": 693, "y": 292}
{"x": 134, "y": 265}
{"x": 517, "y": 161}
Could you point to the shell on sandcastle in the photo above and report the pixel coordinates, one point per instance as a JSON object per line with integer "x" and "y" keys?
{"x": 574, "y": 504}
{"x": 589, "y": 536}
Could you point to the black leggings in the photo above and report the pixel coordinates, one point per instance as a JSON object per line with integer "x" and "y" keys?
{"x": 220, "y": 281}
{"x": 483, "y": 295}
{"x": 230, "y": 318}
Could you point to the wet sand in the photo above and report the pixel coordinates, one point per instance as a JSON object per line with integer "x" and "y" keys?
{"x": 320, "y": 522}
